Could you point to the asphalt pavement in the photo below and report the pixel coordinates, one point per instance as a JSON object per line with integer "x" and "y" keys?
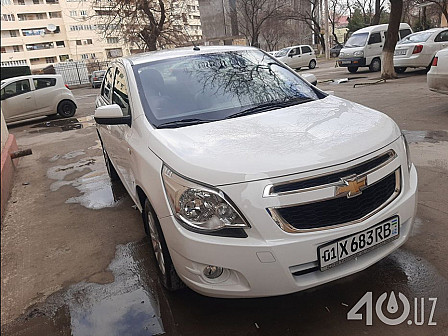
{"x": 75, "y": 259}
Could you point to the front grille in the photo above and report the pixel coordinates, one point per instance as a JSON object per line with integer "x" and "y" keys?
{"x": 333, "y": 177}
{"x": 341, "y": 210}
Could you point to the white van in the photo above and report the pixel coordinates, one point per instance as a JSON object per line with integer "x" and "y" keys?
{"x": 364, "y": 47}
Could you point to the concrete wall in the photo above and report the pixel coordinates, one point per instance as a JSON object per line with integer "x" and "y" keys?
{"x": 4, "y": 132}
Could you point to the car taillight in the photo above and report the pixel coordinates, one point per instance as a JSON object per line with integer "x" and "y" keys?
{"x": 67, "y": 86}
{"x": 95, "y": 78}
{"x": 434, "y": 61}
{"x": 417, "y": 49}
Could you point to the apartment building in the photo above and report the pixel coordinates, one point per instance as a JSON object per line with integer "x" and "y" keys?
{"x": 38, "y": 33}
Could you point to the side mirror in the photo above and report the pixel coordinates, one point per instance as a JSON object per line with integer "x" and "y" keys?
{"x": 111, "y": 115}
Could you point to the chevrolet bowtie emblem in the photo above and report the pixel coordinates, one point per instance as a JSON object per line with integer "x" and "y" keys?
{"x": 351, "y": 186}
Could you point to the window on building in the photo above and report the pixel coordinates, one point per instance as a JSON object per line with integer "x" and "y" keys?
{"x": 112, "y": 40}
{"x": 16, "y": 48}
{"x": 73, "y": 13}
{"x": 78, "y": 42}
{"x": 8, "y": 17}
{"x": 13, "y": 33}
{"x": 92, "y": 55}
{"x": 60, "y": 44}
{"x": 85, "y": 56}
{"x": 83, "y": 13}
{"x": 42, "y": 83}
{"x": 21, "y": 2}
{"x": 39, "y": 46}
{"x": 36, "y": 2}
{"x": 41, "y": 16}
{"x": 50, "y": 59}
{"x": 55, "y": 15}
{"x": 3, "y": 50}
{"x": 6, "y": 2}
{"x": 52, "y": 2}
{"x": 89, "y": 41}
{"x": 63, "y": 58}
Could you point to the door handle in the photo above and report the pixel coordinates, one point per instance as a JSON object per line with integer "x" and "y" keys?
{"x": 29, "y": 97}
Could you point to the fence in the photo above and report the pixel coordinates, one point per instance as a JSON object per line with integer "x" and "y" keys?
{"x": 76, "y": 72}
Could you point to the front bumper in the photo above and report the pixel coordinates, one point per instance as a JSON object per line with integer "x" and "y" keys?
{"x": 258, "y": 266}
{"x": 352, "y": 62}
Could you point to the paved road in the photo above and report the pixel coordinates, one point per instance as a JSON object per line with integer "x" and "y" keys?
{"x": 75, "y": 259}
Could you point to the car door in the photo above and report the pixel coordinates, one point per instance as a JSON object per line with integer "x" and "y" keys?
{"x": 307, "y": 55}
{"x": 18, "y": 100}
{"x": 44, "y": 94}
{"x": 294, "y": 57}
{"x": 441, "y": 40}
{"x": 374, "y": 47}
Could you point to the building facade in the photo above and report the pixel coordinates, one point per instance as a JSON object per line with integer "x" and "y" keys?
{"x": 38, "y": 33}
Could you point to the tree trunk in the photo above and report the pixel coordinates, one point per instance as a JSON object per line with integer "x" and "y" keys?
{"x": 396, "y": 9}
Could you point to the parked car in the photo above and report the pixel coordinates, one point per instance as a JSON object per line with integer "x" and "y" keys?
{"x": 32, "y": 96}
{"x": 364, "y": 47}
{"x": 418, "y": 49}
{"x": 297, "y": 56}
{"x": 96, "y": 78}
{"x": 251, "y": 181}
{"x": 438, "y": 74}
{"x": 334, "y": 52}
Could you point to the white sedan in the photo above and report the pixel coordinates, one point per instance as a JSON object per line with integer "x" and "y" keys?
{"x": 418, "y": 49}
{"x": 32, "y": 96}
{"x": 297, "y": 57}
{"x": 438, "y": 75}
{"x": 251, "y": 181}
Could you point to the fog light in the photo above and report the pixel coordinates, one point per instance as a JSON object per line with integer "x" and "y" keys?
{"x": 213, "y": 272}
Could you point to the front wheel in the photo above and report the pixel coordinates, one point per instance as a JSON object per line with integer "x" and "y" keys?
{"x": 66, "y": 108}
{"x": 352, "y": 69}
{"x": 312, "y": 64}
{"x": 165, "y": 268}
{"x": 375, "y": 65}
{"x": 400, "y": 70}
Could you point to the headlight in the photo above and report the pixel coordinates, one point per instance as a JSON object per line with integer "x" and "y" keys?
{"x": 358, "y": 53}
{"x": 341, "y": 54}
{"x": 408, "y": 153}
{"x": 200, "y": 207}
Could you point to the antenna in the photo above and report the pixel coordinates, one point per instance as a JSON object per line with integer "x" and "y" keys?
{"x": 195, "y": 46}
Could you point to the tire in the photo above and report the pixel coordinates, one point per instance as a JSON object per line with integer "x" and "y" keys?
{"x": 400, "y": 70}
{"x": 66, "y": 108}
{"x": 352, "y": 69}
{"x": 375, "y": 65}
{"x": 113, "y": 175}
{"x": 312, "y": 64}
{"x": 165, "y": 268}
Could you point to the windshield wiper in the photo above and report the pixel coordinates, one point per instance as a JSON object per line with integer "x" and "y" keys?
{"x": 183, "y": 122}
{"x": 270, "y": 106}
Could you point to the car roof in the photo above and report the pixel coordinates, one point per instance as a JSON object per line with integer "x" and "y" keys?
{"x": 379, "y": 28}
{"x": 12, "y": 79}
{"x": 152, "y": 56}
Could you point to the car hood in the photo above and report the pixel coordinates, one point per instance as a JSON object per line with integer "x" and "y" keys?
{"x": 279, "y": 142}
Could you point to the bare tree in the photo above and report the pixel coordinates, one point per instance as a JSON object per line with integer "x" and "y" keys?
{"x": 151, "y": 24}
{"x": 253, "y": 15}
{"x": 337, "y": 11}
{"x": 441, "y": 5}
{"x": 396, "y": 10}
{"x": 378, "y": 10}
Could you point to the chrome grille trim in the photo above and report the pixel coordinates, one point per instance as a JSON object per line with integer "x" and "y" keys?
{"x": 268, "y": 190}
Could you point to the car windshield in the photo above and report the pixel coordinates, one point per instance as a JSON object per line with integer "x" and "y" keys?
{"x": 282, "y": 52}
{"x": 416, "y": 38}
{"x": 357, "y": 40}
{"x": 215, "y": 86}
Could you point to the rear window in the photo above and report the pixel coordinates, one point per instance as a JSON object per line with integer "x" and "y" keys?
{"x": 416, "y": 37}
{"x": 306, "y": 49}
{"x": 404, "y": 32}
{"x": 42, "y": 83}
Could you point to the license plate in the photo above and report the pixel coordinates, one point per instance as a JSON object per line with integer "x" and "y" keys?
{"x": 346, "y": 62}
{"x": 399, "y": 52}
{"x": 347, "y": 248}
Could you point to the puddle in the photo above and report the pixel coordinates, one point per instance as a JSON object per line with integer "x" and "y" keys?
{"x": 425, "y": 136}
{"x": 59, "y": 125}
{"x": 126, "y": 306}
{"x": 92, "y": 181}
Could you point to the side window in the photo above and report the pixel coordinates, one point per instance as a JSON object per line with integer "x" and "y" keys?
{"x": 120, "y": 92}
{"x": 107, "y": 84}
{"x": 42, "y": 83}
{"x": 403, "y": 33}
{"x": 375, "y": 38}
{"x": 306, "y": 49}
{"x": 294, "y": 51}
{"x": 442, "y": 37}
{"x": 15, "y": 89}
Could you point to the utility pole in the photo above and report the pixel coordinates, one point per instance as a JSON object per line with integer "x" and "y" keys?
{"x": 327, "y": 31}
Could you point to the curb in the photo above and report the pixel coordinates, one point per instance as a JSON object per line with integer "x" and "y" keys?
{"x": 8, "y": 168}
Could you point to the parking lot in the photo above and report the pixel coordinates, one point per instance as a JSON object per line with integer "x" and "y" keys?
{"x": 75, "y": 259}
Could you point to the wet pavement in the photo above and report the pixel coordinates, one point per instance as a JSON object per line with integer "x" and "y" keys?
{"x": 75, "y": 260}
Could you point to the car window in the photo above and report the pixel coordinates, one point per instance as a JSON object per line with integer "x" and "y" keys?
{"x": 15, "y": 89}
{"x": 416, "y": 37}
{"x": 294, "y": 51}
{"x": 120, "y": 92}
{"x": 42, "y": 83}
{"x": 98, "y": 73}
{"x": 107, "y": 84}
{"x": 214, "y": 86}
{"x": 306, "y": 49}
{"x": 375, "y": 38}
{"x": 442, "y": 37}
{"x": 404, "y": 32}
